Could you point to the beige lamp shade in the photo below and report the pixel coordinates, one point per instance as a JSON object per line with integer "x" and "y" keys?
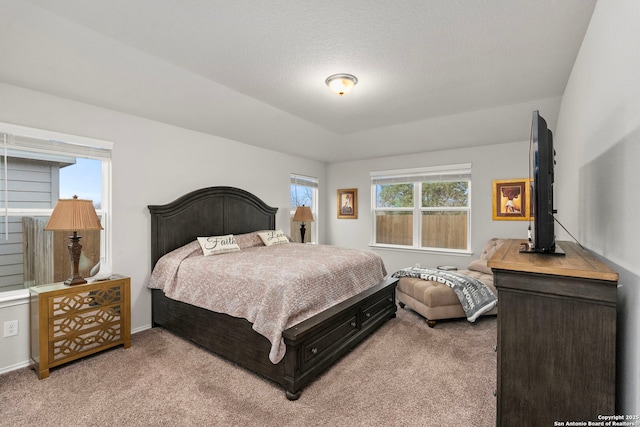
{"x": 74, "y": 214}
{"x": 303, "y": 214}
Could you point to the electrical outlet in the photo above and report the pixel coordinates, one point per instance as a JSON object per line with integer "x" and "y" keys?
{"x": 10, "y": 328}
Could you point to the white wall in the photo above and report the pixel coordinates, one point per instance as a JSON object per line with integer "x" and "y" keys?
{"x": 153, "y": 163}
{"x": 14, "y": 351}
{"x": 501, "y": 161}
{"x": 598, "y": 145}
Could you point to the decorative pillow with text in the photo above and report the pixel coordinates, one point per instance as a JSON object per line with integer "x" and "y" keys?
{"x": 274, "y": 237}
{"x": 218, "y": 244}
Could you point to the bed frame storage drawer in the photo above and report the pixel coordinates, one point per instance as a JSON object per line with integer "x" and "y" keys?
{"x": 316, "y": 343}
{"x": 378, "y": 307}
{"x": 316, "y": 347}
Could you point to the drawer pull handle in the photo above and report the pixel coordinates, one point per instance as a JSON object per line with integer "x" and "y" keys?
{"x": 390, "y": 299}
{"x": 353, "y": 324}
{"x": 367, "y": 314}
{"x": 314, "y": 350}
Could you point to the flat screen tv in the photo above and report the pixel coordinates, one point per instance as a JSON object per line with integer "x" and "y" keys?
{"x": 542, "y": 163}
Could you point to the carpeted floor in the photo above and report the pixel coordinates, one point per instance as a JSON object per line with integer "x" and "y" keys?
{"x": 406, "y": 374}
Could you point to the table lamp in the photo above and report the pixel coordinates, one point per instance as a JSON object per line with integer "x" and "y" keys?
{"x": 303, "y": 214}
{"x": 74, "y": 214}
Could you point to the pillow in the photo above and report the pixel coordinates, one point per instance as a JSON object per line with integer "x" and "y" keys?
{"x": 491, "y": 247}
{"x": 248, "y": 240}
{"x": 480, "y": 265}
{"x": 218, "y": 244}
{"x": 487, "y": 252}
{"x": 274, "y": 237}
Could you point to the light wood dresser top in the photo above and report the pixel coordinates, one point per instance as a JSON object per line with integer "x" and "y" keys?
{"x": 577, "y": 262}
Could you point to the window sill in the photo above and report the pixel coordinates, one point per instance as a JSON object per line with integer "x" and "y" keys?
{"x": 453, "y": 252}
{"x": 10, "y": 298}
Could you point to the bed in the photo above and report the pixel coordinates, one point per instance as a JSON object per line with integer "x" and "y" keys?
{"x": 311, "y": 346}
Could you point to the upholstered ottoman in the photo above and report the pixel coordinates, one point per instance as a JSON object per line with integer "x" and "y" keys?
{"x": 436, "y": 301}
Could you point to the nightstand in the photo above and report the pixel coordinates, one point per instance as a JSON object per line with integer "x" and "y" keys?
{"x": 70, "y": 322}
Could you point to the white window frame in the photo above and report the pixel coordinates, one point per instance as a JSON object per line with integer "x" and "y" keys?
{"x": 56, "y": 143}
{"x": 416, "y": 176}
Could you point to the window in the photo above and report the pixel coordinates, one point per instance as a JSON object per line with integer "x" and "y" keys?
{"x": 426, "y": 209}
{"x": 304, "y": 192}
{"x": 36, "y": 169}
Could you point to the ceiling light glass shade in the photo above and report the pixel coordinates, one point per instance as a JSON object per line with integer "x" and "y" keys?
{"x": 341, "y": 83}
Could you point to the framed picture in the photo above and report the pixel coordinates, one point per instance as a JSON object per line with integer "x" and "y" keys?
{"x": 348, "y": 203}
{"x": 511, "y": 199}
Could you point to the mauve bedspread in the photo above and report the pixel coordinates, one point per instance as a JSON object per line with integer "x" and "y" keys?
{"x": 273, "y": 287}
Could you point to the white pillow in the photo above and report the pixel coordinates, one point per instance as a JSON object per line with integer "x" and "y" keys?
{"x": 273, "y": 237}
{"x": 218, "y": 244}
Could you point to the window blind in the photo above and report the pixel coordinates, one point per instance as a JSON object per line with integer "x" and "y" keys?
{"x": 21, "y": 141}
{"x": 436, "y": 173}
{"x": 304, "y": 181}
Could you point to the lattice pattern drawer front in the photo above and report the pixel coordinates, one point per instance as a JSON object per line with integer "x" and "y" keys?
{"x": 99, "y": 317}
{"x": 72, "y": 303}
{"x": 73, "y": 345}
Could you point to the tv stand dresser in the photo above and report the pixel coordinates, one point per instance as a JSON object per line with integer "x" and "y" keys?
{"x": 556, "y": 336}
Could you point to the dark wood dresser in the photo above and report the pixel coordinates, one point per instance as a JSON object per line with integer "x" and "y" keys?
{"x": 556, "y": 336}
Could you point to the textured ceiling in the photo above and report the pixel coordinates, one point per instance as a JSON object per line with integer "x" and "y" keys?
{"x": 433, "y": 74}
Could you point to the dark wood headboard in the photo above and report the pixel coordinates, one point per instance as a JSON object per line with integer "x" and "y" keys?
{"x": 211, "y": 211}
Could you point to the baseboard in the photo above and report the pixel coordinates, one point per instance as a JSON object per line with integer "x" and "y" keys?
{"x": 141, "y": 328}
{"x": 15, "y": 367}
{"x": 26, "y": 363}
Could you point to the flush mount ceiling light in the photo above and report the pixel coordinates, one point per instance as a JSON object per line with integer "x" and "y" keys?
{"x": 341, "y": 83}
